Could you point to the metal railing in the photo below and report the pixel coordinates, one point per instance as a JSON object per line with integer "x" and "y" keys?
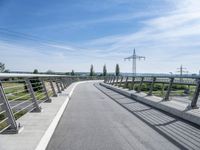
{"x": 167, "y": 85}
{"x": 23, "y": 93}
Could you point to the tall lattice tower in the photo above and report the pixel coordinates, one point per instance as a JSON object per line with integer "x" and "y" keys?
{"x": 134, "y": 58}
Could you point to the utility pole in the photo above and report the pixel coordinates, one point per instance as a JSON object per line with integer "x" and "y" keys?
{"x": 182, "y": 70}
{"x": 134, "y": 58}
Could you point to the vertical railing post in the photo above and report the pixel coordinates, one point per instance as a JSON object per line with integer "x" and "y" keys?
{"x": 121, "y": 81}
{"x": 64, "y": 83}
{"x": 152, "y": 86}
{"x": 163, "y": 89}
{"x": 105, "y": 79}
{"x": 53, "y": 89}
{"x": 57, "y": 85}
{"x": 113, "y": 80}
{"x": 196, "y": 95}
{"x": 68, "y": 81}
{"x": 126, "y": 83}
{"x": 117, "y": 79}
{"x": 133, "y": 82}
{"x": 61, "y": 85}
{"x": 166, "y": 98}
{"x": 45, "y": 90}
{"x": 140, "y": 86}
{"x": 8, "y": 111}
{"x": 33, "y": 97}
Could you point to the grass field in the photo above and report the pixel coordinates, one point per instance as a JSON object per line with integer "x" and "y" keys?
{"x": 18, "y": 92}
{"x": 160, "y": 90}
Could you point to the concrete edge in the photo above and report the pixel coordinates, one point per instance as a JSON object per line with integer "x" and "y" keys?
{"x": 49, "y": 132}
{"x": 183, "y": 112}
{"x": 42, "y": 145}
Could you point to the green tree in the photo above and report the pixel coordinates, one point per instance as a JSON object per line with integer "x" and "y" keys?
{"x": 72, "y": 73}
{"x": 2, "y": 67}
{"x": 104, "y": 70}
{"x": 50, "y": 72}
{"x": 35, "y": 71}
{"x": 117, "y": 70}
{"x": 91, "y": 70}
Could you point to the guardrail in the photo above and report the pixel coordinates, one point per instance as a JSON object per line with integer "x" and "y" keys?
{"x": 22, "y": 93}
{"x": 167, "y": 83}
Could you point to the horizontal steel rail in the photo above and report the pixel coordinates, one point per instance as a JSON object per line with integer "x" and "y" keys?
{"x": 22, "y": 93}
{"x": 168, "y": 80}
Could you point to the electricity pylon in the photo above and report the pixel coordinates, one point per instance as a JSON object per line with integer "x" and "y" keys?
{"x": 134, "y": 58}
{"x": 182, "y": 70}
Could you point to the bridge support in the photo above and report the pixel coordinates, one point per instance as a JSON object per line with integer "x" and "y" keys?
{"x": 196, "y": 95}
{"x": 166, "y": 98}
{"x": 152, "y": 86}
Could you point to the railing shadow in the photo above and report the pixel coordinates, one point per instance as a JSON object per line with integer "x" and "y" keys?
{"x": 179, "y": 132}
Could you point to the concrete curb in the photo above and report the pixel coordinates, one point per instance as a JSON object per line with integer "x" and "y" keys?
{"x": 49, "y": 132}
{"x": 175, "y": 108}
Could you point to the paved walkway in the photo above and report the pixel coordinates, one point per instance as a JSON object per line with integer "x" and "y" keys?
{"x": 99, "y": 119}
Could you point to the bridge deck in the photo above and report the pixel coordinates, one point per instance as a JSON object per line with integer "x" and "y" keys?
{"x": 94, "y": 121}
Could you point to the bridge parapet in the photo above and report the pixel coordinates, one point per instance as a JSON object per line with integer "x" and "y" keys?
{"x": 23, "y": 93}
{"x": 167, "y": 83}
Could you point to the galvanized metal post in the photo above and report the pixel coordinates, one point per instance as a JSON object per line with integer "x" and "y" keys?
{"x": 117, "y": 78}
{"x": 163, "y": 89}
{"x": 61, "y": 85}
{"x": 196, "y": 95}
{"x": 33, "y": 97}
{"x": 67, "y": 82}
{"x": 166, "y": 98}
{"x": 8, "y": 111}
{"x": 64, "y": 83}
{"x": 107, "y": 79}
{"x": 126, "y": 84}
{"x": 121, "y": 81}
{"x": 104, "y": 79}
{"x": 58, "y": 87}
{"x": 140, "y": 86}
{"x": 45, "y": 90}
{"x": 152, "y": 86}
{"x": 113, "y": 80}
{"x": 133, "y": 82}
{"x": 53, "y": 89}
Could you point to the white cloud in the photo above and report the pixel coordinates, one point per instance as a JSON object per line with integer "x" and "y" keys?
{"x": 168, "y": 40}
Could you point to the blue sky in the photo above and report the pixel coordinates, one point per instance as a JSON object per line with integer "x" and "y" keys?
{"x": 73, "y": 34}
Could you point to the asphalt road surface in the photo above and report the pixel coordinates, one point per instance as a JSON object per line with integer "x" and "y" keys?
{"x": 97, "y": 118}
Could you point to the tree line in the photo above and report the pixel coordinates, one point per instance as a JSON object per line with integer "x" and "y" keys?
{"x": 92, "y": 72}
{"x": 105, "y": 73}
